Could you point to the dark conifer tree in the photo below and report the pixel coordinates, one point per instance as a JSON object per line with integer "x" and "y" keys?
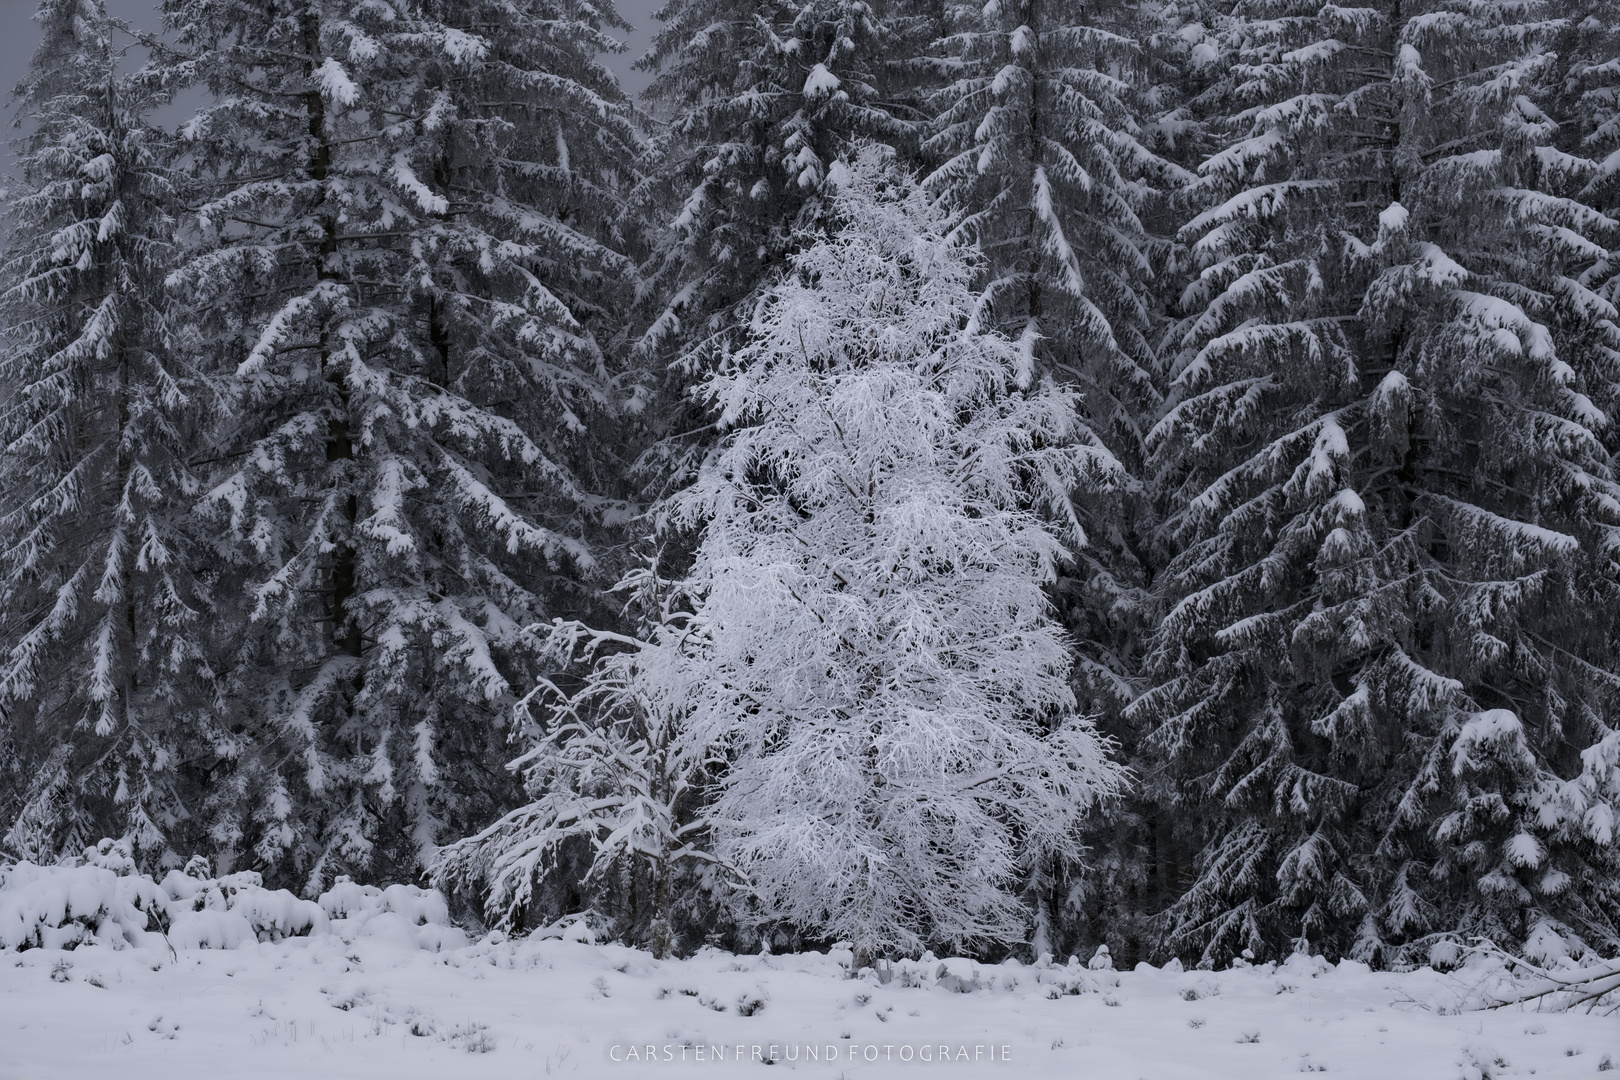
{"x": 1389, "y": 658}
{"x": 396, "y": 273}
{"x": 104, "y": 636}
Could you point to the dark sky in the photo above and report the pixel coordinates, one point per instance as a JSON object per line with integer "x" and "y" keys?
{"x": 18, "y": 36}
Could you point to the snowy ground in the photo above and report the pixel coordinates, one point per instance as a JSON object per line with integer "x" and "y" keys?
{"x": 376, "y": 1006}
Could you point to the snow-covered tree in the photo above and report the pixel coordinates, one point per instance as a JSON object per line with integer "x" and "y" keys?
{"x": 391, "y": 243}
{"x": 1389, "y": 667}
{"x": 880, "y": 523}
{"x": 759, "y": 98}
{"x": 526, "y": 270}
{"x": 521, "y": 287}
{"x": 1590, "y": 119}
{"x": 1042, "y": 135}
{"x": 614, "y": 765}
{"x": 102, "y": 641}
{"x": 1046, "y": 141}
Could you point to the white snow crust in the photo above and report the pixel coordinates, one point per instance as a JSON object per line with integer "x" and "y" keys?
{"x": 349, "y": 987}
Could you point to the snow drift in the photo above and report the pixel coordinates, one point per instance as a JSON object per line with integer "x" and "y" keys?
{"x": 100, "y": 899}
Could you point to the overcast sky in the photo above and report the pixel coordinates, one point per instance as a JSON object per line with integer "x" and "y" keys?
{"x": 19, "y": 35}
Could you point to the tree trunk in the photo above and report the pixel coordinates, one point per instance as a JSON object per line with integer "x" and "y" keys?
{"x": 661, "y": 937}
{"x": 345, "y": 628}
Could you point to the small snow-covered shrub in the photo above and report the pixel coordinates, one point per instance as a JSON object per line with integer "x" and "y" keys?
{"x": 101, "y": 899}
{"x": 960, "y": 975}
{"x": 63, "y": 907}
{"x": 226, "y": 912}
{"x": 412, "y": 917}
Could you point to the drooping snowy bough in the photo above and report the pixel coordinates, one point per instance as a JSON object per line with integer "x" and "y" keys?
{"x": 1558, "y": 983}
{"x": 880, "y": 521}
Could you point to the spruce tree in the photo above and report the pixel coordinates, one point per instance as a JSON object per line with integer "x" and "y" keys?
{"x": 1045, "y": 148}
{"x": 1589, "y": 121}
{"x": 1388, "y": 670}
{"x": 1047, "y": 142}
{"x": 522, "y": 285}
{"x": 104, "y": 709}
{"x": 391, "y": 243}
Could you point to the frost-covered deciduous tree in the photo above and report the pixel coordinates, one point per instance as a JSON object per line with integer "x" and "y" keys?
{"x": 881, "y": 520}
{"x": 388, "y": 253}
{"x": 615, "y": 765}
{"x": 103, "y": 699}
{"x": 1389, "y": 669}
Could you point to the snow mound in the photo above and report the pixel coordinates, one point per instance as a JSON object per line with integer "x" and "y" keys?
{"x": 58, "y": 907}
{"x": 101, "y": 900}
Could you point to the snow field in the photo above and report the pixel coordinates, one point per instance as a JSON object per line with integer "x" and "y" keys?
{"x": 376, "y": 1006}
{"x": 105, "y": 969}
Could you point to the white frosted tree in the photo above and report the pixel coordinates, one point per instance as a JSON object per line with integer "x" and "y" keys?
{"x": 613, "y": 766}
{"x": 103, "y": 703}
{"x": 881, "y": 520}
